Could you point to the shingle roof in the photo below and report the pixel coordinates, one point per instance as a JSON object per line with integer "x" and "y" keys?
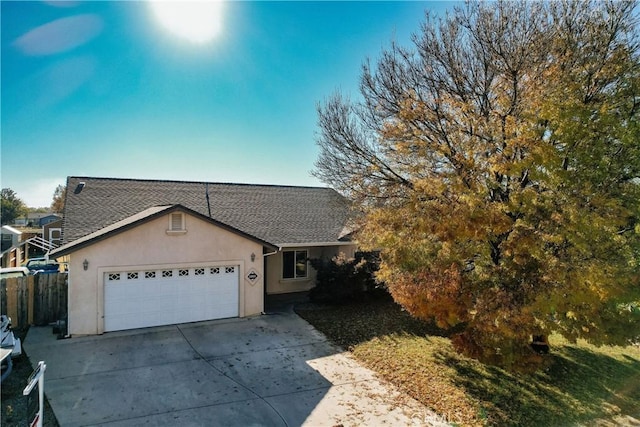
{"x": 137, "y": 219}
{"x": 276, "y": 214}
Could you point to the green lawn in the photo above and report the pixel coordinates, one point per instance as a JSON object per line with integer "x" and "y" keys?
{"x": 583, "y": 385}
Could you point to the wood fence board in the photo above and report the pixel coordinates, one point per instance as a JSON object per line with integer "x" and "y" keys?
{"x": 39, "y": 300}
{"x": 12, "y": 299}
{"x": 3, "y": 296}
{"x": 30, "y": 299}
{"x": 22, "y": 302}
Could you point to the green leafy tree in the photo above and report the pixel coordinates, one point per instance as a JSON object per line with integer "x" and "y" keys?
{"x": 496, "y": 165}
{"x": 57, "y": 205}
{"x": 39, "y": 210}
{"x": 12, "y": 206}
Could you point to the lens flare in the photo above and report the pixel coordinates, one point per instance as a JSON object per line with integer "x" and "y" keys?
{"x": 195, "y": 21}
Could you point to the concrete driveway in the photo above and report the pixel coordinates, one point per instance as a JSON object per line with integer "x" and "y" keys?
{"x": 272, "y": 370}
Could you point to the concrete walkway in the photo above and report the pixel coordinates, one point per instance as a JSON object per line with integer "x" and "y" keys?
{"x": 272, "y": 370}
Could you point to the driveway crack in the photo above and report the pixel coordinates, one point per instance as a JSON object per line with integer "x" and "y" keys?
{"x": 208, "y": 362}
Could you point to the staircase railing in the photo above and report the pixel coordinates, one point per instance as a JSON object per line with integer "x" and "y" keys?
{"x": 41, "y": 243}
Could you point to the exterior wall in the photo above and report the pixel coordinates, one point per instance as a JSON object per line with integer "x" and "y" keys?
{"x": 10, "y": 239}
{"x": 277, "y": 285}
{"x": 13, "y": 258}
{"x": 47, "y": 235}
{"x": 48, "y": 219}
{"x": 11, "y": 234}
{"x": 22, "y": 221}
{"x": 150, "y": 246}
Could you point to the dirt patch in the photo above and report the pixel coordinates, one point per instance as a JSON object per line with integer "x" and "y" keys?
{"x": 14, "y": 407}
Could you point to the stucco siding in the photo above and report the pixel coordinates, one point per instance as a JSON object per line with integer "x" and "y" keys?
{"x": 149, "y": 246}
{"x": 275, "y": 282}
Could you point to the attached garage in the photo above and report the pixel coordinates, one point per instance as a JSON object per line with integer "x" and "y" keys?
{"x": 165, "y": 265}
{"x": 170, "y": 295}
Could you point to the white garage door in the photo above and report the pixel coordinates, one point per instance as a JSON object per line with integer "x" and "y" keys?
{"x": 143, "y": 298}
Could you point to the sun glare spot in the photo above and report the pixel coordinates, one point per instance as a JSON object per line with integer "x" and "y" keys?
{"x": 195, "y": 21}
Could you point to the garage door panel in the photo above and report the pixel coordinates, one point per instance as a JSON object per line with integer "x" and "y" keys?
{"x": 143, "y": 298}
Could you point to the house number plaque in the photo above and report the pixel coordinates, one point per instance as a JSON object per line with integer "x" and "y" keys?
{"x": 253, "y": 276}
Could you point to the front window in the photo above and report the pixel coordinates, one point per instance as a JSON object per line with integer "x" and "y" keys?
{"x": 294, "y": 264}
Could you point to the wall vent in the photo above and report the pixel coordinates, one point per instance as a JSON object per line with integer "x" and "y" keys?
{"x": 176, "y": 222}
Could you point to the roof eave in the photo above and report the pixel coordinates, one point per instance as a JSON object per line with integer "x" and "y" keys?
{"x": 79, "y": 244}
{"x": 316, "y": 244}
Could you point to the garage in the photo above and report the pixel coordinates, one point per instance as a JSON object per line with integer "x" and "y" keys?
{"x": 162, "y": 266}
{"x": 140, "y": 298}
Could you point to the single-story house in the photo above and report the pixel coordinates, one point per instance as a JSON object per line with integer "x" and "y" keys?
{"x": 48, "y": 219}
{"x": 148, "y": 253}
{"x": 37, "y": 219}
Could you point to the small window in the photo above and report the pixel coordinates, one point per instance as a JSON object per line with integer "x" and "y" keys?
{"x": 114, "y": 276}
{"x": 149, "y": 274}
{"x": 215, "y": 270}
{"x": 132, "y": 276}
{"x": 294, "y": 264}
{"x": 183, "y": 273}
{"x": 199, "y": 271}
{"x": 229, "y": 269}
{"x": 167, "y": 273}
{"x": 176, "y": 222}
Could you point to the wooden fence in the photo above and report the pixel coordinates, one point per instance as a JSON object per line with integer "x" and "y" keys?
{"x": 34, "y": 300}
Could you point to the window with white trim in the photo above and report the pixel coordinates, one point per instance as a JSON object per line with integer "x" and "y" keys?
{"x": 177, "y": 222}
{"x": 294, "y": 264}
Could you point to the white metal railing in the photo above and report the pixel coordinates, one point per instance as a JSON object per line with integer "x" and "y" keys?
{"x": 41, "y": 243}
{"x": 14, "y": 258}
{"x": 36, "y": 379}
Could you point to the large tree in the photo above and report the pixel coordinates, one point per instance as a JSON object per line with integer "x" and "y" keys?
{"x": 12, "y": 206}
{"x": 496, "y": 166}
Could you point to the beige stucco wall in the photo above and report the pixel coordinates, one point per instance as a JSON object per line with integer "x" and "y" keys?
{"x": 277, "y": 285}
{"x": 149, "y": 246}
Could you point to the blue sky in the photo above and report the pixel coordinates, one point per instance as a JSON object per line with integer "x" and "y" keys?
{"x": 102, "y": 89}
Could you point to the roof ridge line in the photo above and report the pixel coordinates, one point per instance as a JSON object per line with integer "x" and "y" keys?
{"x": 239, "y": 184}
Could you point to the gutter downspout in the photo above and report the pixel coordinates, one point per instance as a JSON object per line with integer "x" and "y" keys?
{"x": 272, "y": 253}
{"x": 264, "y": 268}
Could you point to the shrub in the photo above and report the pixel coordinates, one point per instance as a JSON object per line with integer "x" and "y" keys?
{"x": 342, "y": 279}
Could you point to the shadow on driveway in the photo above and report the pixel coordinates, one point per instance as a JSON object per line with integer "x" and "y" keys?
{"x": 272, "y": 370}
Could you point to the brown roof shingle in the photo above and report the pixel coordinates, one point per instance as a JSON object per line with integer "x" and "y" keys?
{"x": 276, "y": 214}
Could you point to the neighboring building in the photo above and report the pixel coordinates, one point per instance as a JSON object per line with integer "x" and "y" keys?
{"x": 52, "y": 232}
{"x": 148, "y": 253}
{"x": 21, "y": 244}
{"x": 13, "y": 254}
{"x": 10, "y": 237}
{"x": 48, "y": 219}
{"x": 37, "y": 219}
{"x": 20, "y": 221}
